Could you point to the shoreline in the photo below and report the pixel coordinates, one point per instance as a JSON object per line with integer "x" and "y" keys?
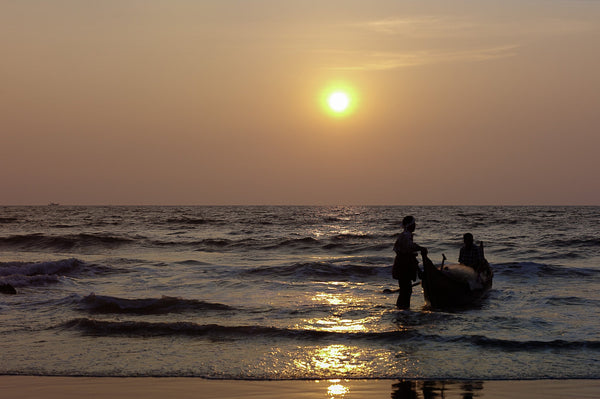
{"x": 24, "y": 387}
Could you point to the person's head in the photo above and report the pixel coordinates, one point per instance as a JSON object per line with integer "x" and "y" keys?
{"x": 409, "y": 223}
{"x": 468, "y": 238}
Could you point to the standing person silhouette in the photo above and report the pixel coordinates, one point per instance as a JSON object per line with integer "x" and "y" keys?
{"x": 406, "y": 265}
{"x": 470, "y": 254}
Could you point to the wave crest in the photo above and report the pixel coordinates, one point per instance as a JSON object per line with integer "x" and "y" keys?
{"x": 25, "y": 274}
{"x": 213, "y": 331}
{"x": 63, "y": 242}
{"x": 107, "y": 304}
{"x": 543, "y": 270}
{"x": 219, "y": 332}
{"x": 311, "y": 270}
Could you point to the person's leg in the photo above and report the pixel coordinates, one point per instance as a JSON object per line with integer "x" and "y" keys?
{"x": 403, "y": 301}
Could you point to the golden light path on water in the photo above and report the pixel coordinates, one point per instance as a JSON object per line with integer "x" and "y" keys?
{"x": 338, "y": 359}
{"x": 350, "y": 314}
{"x": 336, "y": 322}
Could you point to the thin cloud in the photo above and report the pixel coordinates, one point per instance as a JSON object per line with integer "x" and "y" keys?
{"x": 503, "y": 37}
{"x": 445, "y": 27}
{"x": 423, "y": 27}
{"x": 381, "y": 61}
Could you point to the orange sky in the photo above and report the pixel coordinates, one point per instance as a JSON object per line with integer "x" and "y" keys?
{"x": 220, "y": 102}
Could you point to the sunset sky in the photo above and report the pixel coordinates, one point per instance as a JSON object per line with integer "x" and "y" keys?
{"x": 225, "y": 102}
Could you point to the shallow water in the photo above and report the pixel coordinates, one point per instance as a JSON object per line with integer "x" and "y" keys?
{"x": 292, "y": 293}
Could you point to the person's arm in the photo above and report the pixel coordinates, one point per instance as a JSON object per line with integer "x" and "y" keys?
{"x": 397, "y": 246}
{"x": 414, "y": 247}
{"x": 406, "y": 245}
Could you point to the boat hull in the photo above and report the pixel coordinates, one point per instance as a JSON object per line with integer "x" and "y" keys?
{"x": 455, "y": 285}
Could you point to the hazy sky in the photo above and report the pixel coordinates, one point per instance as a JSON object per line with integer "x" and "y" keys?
{"x": 221, "y": 102}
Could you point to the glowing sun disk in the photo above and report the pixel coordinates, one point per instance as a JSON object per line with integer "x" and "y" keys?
{"x": 338, "y": 101}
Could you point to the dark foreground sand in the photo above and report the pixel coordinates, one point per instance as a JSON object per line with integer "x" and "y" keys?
{"x": 181, "y": 388}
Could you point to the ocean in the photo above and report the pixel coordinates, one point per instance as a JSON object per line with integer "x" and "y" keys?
{"x": 293, "y": 292}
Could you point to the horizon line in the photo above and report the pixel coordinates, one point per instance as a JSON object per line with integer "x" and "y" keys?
{"x": 51, "y": 205}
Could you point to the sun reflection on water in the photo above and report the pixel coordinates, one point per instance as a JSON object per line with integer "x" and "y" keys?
{"x": 335, "y": 324}
{"x": 335, "y": 360}
{"x": 336, "y": 389}
{"x": 332, "y": 299}
{"x": 343, "y": 304}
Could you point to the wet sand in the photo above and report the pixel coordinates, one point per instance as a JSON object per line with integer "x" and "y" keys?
{"x": 159, "y": 388}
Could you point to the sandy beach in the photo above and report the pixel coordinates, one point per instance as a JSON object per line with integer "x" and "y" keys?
{"x": 24, "y": 387}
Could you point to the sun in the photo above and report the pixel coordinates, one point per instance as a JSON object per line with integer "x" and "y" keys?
{"x": 338, "y": 101}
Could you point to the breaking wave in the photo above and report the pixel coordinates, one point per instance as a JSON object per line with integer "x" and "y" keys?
{"x": 543, "y": 270}
{"x": 341, "y": 243}
{"x": 510, "y": 345}
{"x": 25, "y": 274}
{"x": 321, "y": 270}
{"x": 220, "y": 332}
{"x": 39, "y": 241}
{"x": 585, "y": 242}
{"x": 214, "y": 331}
{"x": 348, "y": 243}
{"x": 192, "y": 221}
{"x": 107, "y": 304}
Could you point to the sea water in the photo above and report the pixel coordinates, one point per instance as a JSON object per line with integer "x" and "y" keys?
{"x": 292, "y": 293}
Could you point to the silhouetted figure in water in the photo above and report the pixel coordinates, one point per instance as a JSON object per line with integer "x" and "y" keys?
{"x": 406, "y": 265}
{"x": 470, "y": 254}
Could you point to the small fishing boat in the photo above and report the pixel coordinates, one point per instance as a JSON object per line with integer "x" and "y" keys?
{"x": 455, "y": 285}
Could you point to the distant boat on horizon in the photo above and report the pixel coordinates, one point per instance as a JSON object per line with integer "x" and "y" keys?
{"x": 53, "y": 204}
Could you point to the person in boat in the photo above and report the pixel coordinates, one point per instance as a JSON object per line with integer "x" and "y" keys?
{"x": 406, "y": 265}
{"x": 470, "y": 254}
